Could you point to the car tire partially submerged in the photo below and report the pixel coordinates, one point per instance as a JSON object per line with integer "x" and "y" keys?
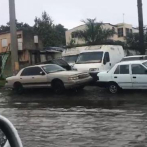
{"x": 18, "y": 88}
{"x": 58, "y": 86}
{"x": 113, "y": 88}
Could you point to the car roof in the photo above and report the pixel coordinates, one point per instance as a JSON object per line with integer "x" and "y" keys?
{"x": 135, "y": 56}
{"x": 39, "y": 65}
{"x": 132, "y": 62}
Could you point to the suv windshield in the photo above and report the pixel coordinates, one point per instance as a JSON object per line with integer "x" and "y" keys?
{"x": 90, "y": 57}
{"x": 52, "y": 68}
{"x": 71, "y": 59}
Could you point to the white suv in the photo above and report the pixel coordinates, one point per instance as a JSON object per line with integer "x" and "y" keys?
{"x": 48, "y": 75}
{"x": 125, "y": 75}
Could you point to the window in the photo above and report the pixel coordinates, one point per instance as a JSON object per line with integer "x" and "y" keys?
{"x": 73, "y": 35}
{"x": 53, "y": 68}
{"x": 19, "y": 36}
{"x": 107, "y": 57}
{"x": 120, "y": 32}
{"x": 127, "y": 31}
{"x": 117, "y": 70}
{"x": 138, "y": 69}
{"x": 71, "y": 59}
{"x": 90, "y": 57}
{"x": 32, "y": 71}
{"x": 122, "y": 69}
{"x": 4, "y": 43}
{"x": 131, "y": 31}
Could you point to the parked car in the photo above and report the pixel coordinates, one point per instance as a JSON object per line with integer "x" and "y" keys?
{"x": 133, "y": 58}
{"x": 48, "y": 75}
{"x": 98, "y": 58}
{"x": 59, "y": 62}
{"x": 125, "y": 75}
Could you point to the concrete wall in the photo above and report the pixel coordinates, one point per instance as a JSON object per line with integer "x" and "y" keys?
{"x": 28, "y": 42}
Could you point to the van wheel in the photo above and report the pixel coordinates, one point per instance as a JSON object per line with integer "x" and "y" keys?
{"x": 18, "y": 88}
{"x": 58, "y": 87}
{"x": 113, "y": 88}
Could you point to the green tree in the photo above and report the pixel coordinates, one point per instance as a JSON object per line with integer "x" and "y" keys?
{"x": 132, "y": 41}
{"x": 52, "y": 35}
{"x": 94, "y": 33}
{"x": 19, "y": 26}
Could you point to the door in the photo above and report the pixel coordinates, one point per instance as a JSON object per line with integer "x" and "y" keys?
{"x": 32, "y": 77}
{"x": 106, "y": 62}
{"x": 122, "y": 76}
{"x": 139, "y": 76}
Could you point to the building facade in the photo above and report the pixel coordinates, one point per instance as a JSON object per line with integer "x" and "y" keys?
{"x": 121, "y": 30}
{"x": 26, "y": 45}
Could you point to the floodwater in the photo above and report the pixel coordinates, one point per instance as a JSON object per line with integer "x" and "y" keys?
{"x": 90, "y": 118}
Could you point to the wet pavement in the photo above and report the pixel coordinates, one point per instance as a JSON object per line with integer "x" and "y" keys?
{"x": 90, "y": 118}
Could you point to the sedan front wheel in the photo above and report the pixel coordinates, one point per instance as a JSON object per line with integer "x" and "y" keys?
{"x": 113, "y": 88}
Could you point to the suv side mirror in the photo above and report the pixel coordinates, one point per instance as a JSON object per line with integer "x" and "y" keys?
{"x": 42, "y": 73}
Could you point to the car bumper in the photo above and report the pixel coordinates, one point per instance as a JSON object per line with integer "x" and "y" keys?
{"x": 7, "y": 85}
{"x": 78, "y": 83}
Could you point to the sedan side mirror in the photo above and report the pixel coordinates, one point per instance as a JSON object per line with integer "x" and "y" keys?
{"x": 42, "y": 73}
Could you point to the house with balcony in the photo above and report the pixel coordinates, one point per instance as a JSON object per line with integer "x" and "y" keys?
{"x": 121, "y": 29}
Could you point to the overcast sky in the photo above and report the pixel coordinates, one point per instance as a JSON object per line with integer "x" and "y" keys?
{"x": 71, "y": 12}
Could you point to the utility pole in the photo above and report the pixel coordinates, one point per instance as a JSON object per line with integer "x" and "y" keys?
{"x": 14, "y": 44}
{"x": 141, "y": 31}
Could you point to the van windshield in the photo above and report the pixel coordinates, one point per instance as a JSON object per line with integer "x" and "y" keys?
{"x": 90, "y": 57}
{"x": 71, "y": 59}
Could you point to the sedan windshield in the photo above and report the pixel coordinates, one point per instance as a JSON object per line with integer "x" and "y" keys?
{"x": 52, "y": 68}
{"x": 90, "y": 57}
{"x": 71, "y": 59}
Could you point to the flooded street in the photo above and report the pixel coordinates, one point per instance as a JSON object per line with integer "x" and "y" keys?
{"x": 90, "y": 118}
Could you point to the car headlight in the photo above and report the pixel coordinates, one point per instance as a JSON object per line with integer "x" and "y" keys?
{"x": 73, "y": 78}
{"x": 75, "y": 69}
{"x": 94, "y": 69}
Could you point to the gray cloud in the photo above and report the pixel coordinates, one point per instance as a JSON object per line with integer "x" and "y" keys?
{"x": 71, "y": 12}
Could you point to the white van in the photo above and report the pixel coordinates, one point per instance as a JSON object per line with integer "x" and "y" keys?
{"x": 99, "y": 58}
{"x": 71, "y": 55}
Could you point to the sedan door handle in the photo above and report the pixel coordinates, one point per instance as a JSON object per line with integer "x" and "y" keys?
{"x": 134, "y": 77}
{"x": 115, "y": 77}
{"x": 32, "y": 77}
{"x": 21, "y": 78}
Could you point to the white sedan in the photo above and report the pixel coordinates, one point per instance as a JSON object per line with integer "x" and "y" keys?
{"x": 48, "y": 75}
{"x": 125, "y": 75}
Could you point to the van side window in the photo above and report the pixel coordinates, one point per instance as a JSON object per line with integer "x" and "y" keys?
{"x": 107, "y": 57}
